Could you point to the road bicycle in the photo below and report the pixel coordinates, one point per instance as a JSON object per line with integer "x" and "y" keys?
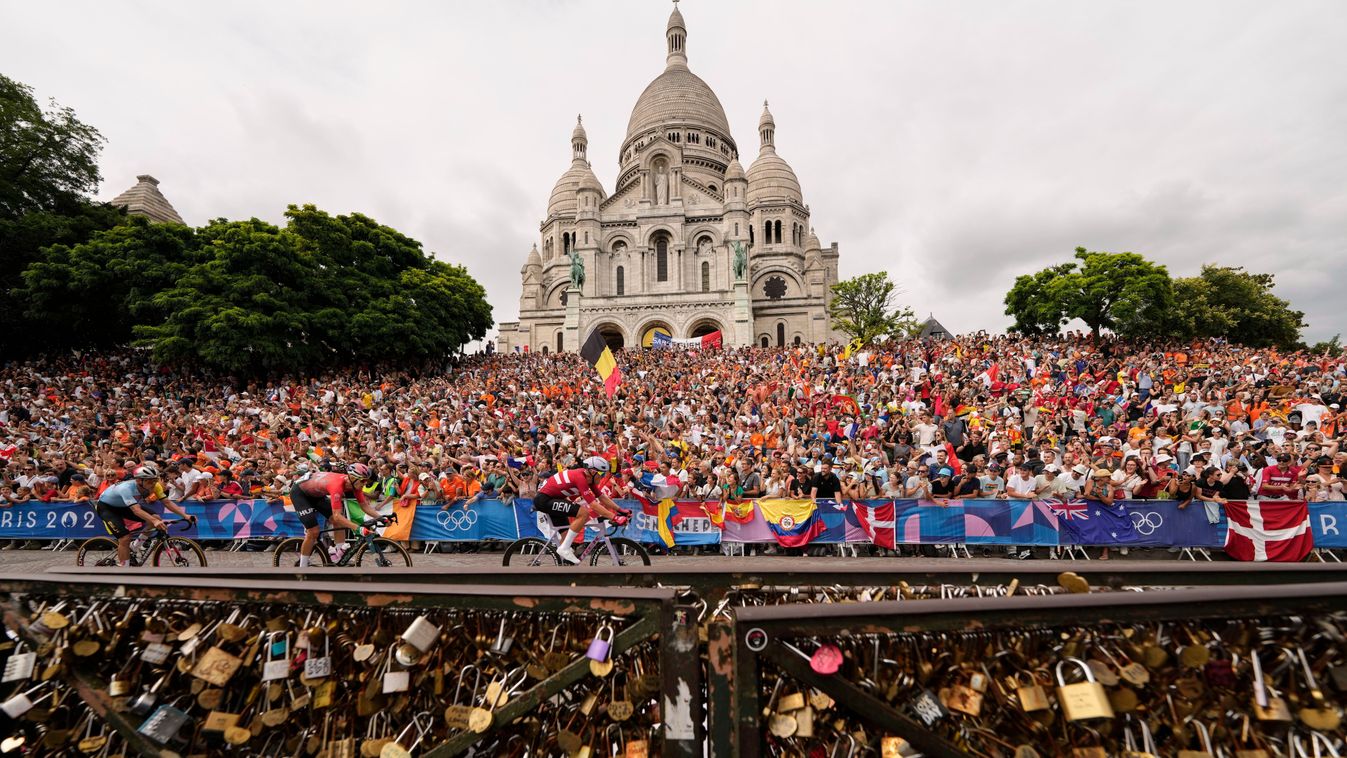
{"x": 370, "y": 547}
{"x": 155, "y": 548}
{"x": 604, "y": 550}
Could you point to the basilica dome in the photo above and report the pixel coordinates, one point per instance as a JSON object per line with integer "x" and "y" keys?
{"x": 677, "y": 96}
{"x": 770, "y": 177}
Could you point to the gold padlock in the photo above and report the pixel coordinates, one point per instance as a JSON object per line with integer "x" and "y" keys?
{"x": 1083, "y": 700}
{"x": 1031, "y": 695}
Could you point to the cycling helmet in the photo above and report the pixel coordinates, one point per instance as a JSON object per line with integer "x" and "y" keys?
{"x": 358, "y": 471}
{"x": 595, "y": 463}
{"x": 147, "y": 471}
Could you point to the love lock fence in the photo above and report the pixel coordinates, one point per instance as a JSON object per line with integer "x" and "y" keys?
{"x": 796, "y": 658}
{"x": 335, "y": 669}
{"x": 1249, "y": 671}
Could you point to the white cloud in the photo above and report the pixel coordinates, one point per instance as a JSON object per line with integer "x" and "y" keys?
{"x": 954, "y": 144}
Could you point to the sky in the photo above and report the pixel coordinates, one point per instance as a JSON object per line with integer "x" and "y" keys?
{"x": 954, "y": 144}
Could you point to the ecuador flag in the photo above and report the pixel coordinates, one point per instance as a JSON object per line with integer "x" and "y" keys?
{"x": 794, "y": 523}
{"x": 595, "y": 350}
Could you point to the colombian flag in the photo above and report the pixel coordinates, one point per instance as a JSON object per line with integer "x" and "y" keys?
{"x": 596, "y": 351}
{"x": 794, "y": 523}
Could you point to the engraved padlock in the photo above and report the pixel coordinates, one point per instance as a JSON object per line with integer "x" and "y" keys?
{"x": 502, "y": 644}
{"x": 1082, "y": 700}
{"x": 600, "y": 646}
{"x": 277, "y": 665}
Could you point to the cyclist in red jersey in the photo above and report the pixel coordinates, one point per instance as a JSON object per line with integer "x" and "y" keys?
{"x": 570, "y": 496}
{"x": 323, "y": 493}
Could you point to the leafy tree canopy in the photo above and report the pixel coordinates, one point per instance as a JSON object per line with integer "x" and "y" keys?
{"x": 865, "y": 307}
{"x": 1121, "y": 292}
{"x": 47, "y": 157}
{"x": 1229, "y": 302}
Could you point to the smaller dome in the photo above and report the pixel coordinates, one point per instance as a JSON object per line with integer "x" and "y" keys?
{"x": 590, "y": 182}
{"x": 676, "y": 21}
{"x": 735, "y": 171}
{"x": 812, "y": 243}
{"x": 770, "y": 177}
{"x": 534, "y": 260}
{"x": 562, "y": 201}
{"x": 766, "y": 119}
{"x": 578, "y": 134}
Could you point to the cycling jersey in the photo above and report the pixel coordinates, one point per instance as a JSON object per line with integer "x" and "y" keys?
{"x": 126, "y": 494}
{"x": 329, "y": 485}
{"x": 570, "y": 484}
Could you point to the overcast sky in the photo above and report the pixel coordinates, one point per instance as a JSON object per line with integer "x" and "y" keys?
{"x": 955, "y": 144}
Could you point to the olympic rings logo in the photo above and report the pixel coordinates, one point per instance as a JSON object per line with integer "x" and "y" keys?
{"x": 1147, "y": 523}
{"x": 457, "y": 520}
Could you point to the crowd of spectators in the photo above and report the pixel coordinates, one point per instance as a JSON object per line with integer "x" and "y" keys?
{"x": 976, "y": 416}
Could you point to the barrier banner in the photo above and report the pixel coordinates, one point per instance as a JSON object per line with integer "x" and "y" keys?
{"x": 483, "y": 520}
{"x": 1154, "y": 523}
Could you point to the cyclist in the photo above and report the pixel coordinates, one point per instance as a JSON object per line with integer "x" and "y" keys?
{"x": 129, "y": 501}
{"x": 324, "y": 492}
{"x": 570, "y": 496}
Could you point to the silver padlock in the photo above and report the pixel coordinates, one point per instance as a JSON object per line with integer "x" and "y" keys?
{"x": 20, "y": 665}
{"x": 276, "y": 668}
{"x": 22, "y": 702}
{"x": 164, "y": 724}
{"x": 319, "y": 667}
{"x": 394, "y": 681}
{"x": 502, "y": 644}
{"x": 421, "y": 634}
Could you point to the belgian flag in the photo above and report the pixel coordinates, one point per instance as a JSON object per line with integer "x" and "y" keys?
{"x": 595, "y": 350}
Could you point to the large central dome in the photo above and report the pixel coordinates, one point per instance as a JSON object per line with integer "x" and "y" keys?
{"x": 677, "y": 96}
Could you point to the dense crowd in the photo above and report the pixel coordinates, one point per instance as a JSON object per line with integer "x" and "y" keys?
{"x": 974, "y": 416}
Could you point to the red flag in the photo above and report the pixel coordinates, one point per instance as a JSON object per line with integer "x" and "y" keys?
{"x": 877, "y": 521}
{"x": 1268, "y": 530}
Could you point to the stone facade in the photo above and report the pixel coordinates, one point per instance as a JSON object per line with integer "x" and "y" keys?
{"x": 659, "y": 252}
{"x": 145, "y": 199}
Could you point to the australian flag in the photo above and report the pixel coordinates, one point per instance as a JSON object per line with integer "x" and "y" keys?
{"x": 1091, "y": 522}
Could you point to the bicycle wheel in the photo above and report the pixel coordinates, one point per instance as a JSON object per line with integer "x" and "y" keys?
{"x": 178, "y": 552}
{"x": 531, "y": 551}
{"x": 629, "y": 553}
{"x": 383, "y": 553}
{"x": 97, "y": 551}
{"x": 286, "y": 553}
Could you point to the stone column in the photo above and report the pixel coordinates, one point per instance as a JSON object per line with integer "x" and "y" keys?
{"x": 571, "y": 327}
{"x": 742, "y": 332}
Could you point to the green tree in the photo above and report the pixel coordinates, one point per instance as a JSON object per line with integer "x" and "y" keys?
{"x": 865, "y": 307}
{"x": 323, "y": 291}
{"x": 22, "y": 242}
{"x": 1229, "y": 302}
{"x": 94, "y": 292}
{"x": 47, "y": 157}
{"x": 1332, "y": 348}
{"x": 1037, "y": 301}
{"x": 1121, "y": 292}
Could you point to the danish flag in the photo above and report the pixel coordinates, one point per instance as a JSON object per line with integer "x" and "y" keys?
{"x": 1270, "y": 530}
{"x": 877, "y": 521}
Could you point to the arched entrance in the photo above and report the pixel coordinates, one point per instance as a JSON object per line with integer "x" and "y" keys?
{"x": 649, "y": 330}
{"x": 703, "y": 327}
{"x": 612, "y": 335}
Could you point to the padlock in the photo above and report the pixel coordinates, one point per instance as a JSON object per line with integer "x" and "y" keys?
{"x": 22, "y": 702}
{"x": 421, "y": 634}
{"x": 1082, "y": 700}
{"x": 277, "y": 665}
{"x": 394, "y": 681}
{"x": 164, "y": 724}
{"x": 20, "y": 664}
{"x": 1205, "y": 737}
{"x": 318, "y": 666}
{"x": 502, "y": 644}
{"x": 1267, "y": 704}
{"x": 599, "y": 646}
{"x": 1030, "y": 694}
{"x": 1147, "y": 749}
{"x": 457, "y": 713}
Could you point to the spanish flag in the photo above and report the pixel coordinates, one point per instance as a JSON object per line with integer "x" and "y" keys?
{"x": 595, "y": 350}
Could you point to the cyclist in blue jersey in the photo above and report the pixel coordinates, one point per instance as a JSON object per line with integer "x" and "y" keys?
{"x": 129, "y": 501}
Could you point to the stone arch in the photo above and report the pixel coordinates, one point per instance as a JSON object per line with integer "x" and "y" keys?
{"x": 644, "y": 332}
{"x": 613, "y": 334}
{"x": 764, "y": 340}
{"x": 611, "y": 241}
{"x": 555, "y": 292}
{"x": 703, "y": 325}
{"x": 656, "y": 229}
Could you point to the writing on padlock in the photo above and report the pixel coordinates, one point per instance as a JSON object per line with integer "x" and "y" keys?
{"x": 1082, "y": 700}
{"x": 22, "y": 702}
